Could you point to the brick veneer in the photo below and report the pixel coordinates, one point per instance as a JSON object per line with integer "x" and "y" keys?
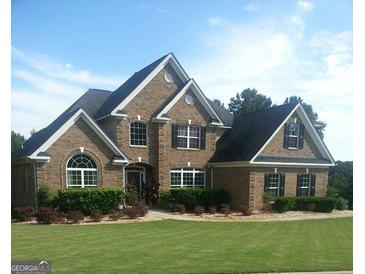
{"x": 237, "y": 180}
{"x": 78, "y": 135}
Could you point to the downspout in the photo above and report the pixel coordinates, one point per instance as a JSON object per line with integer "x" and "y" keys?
{"x": 35, "y": 184}
{"x": 211, "y": 177}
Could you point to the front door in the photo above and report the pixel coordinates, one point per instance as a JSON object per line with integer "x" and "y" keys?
{"x": 135, "y": 181}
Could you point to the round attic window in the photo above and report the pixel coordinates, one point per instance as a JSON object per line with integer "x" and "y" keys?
{"x": 168, "y": 77}
{"x": 189, "y": 99}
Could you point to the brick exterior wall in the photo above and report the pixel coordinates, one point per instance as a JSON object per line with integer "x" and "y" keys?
{"x": 53, "y": 173}
{"x": 276, "y": 146}
{"x": 246, "y": 184}
{"x": 236, "y": 180}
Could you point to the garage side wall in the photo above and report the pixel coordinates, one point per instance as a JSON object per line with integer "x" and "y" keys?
{"x": 236, "y": 181}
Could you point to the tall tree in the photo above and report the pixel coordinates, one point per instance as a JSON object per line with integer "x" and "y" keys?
{"x": 17, "y": 141}
{"x": 312, "y": 115}
{"x": 248, "y": 100}
{"x": 32, "y": 131}
{"x": 218, "y": 102}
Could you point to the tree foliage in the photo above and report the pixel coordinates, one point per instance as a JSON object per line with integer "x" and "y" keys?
{"x": 248, "y": 100}
{"x": 17, "y": 141}
{"x": 218, "y": 102}
{"x": 340, "y": 181}
{"x": 312, "y": 115}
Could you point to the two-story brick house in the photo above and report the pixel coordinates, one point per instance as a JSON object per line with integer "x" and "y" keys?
{"x": 158, "y": 128}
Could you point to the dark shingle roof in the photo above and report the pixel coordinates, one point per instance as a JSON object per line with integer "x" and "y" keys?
{"x": 249, "y": 133}
{"x": 225, "y": 116}
{"x": 126, "y": 88}
{"x": 90, "y": 102}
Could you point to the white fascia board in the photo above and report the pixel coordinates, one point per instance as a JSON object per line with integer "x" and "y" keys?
{"x": 79, "y": 114}
{"x": 230, "y": 164}
{"x": 40, "y": 158}
{"x": 199, "y": 94}
{"x": 314, "y": 134}
{"x": 289, "y": 164}
{"x": 122, "y": 115}
{"x": 274, "y": 134}
{"x": 168, "y": 59}
{"x": 120, "y": 162}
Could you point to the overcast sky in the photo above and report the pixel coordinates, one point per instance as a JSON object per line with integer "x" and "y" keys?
{"x": 281, "y": 48}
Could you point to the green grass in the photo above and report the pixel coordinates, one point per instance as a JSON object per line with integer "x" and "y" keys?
{"x": 178, "y": 246}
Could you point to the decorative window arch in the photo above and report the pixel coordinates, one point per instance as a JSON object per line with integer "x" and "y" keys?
{"x": 81, "y": 172}
{"x": 138, "y": 134}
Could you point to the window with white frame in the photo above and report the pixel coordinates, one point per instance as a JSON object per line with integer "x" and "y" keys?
{"x": 273, "y": 184}
{"x": 293, "y": 135}
{"x": 304, "y": 184}
{"x": 188, "y": 137}
{"x": 187, "y": 177}
{"x": 81, "y": 172}
{"x": 138, "y": 134}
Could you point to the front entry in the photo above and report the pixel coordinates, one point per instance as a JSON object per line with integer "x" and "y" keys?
{"x": 135, "y": 180}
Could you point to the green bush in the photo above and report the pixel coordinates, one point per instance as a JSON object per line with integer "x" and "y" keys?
{"x": 44, "y": 197}
{"x": 85, "y": 200}
{"x": 342, "y": 204}
{"x": 131, "y": 198}
{"x": 319, "y": 204}
{"x": 282, "y": 204}
{"x": 192, "y": 197}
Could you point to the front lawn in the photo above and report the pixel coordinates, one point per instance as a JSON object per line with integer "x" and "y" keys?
{"x": 179, "y": 246}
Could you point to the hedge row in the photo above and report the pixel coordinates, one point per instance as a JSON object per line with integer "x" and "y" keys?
{"x": 88, "y": 199}
{"x": 192, "y": 197}
{"x": 319, "y": 204}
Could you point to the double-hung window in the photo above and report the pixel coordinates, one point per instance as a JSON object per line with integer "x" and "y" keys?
{"x": 306, "y": 184}
{"x": 293, "y": 135}
{"x": 275, "y": 183}
{"x": 188, "y": 137}
{"x": 187, "y": 177}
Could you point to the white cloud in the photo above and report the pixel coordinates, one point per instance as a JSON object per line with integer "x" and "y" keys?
{"x": 157, "y": 9}
{"x": 271, "y": 59}
{"x": 216, "y": 21}
{"x": 299, "y": 24}
{"x": 44, "y": 88}
{"x": 253, "y": 6}
{"x": 305, "y": 5}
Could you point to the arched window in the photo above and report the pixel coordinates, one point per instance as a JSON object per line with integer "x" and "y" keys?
{"x": 138, "y": 133}
{"x": 81, "y": 172}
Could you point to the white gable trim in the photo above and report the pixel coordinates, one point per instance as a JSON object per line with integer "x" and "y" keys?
{"x": 199, "y": 94}
{"x": 169, "y": 59}
{"x": 83, "y": 115}
{"x": 311, "y": 130}
{"x": 265, "y": 164}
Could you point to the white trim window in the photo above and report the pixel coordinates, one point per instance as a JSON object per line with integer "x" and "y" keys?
{"x": 293, "y": 135}
{"x": 188, "y": 137}
{"x": 187, "y": 177}
{"x": 138, "y": 134}
{"x": 306, "y": 184}
{"x": 81, "y": 172}
{"x": 275, "y": 184}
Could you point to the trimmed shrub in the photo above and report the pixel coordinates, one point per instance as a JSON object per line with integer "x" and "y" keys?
{"x": 46, "y": 215}
{"x": 212, "y": 209}
{"x": 342, "y": 204}
{"x": 138, "y": 210}
{"x": 74, "y": 216}
{"x": 326, "y": 204}
{"x": 281, "y": 204}
{"x": 164, "y": 201}
{"x": 198, "y": 210}
{"x": 96, "y": 215}
{"x": 319, "y": 204}
{"x": 225, "y": 209}
{"x": 22, "y": 214}
{"x": 85, "y": 200}
{"x": 180, "y": 208}
{"x": 44, "y": 196}
{"x": 115, "y": 215}
{"x": 192, "y": 197}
